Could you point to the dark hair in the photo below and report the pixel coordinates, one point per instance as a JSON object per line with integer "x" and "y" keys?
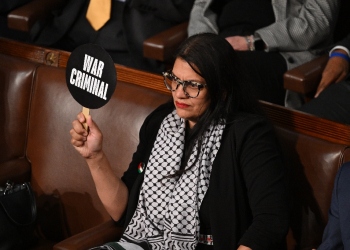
{"x": 230, "y": 93}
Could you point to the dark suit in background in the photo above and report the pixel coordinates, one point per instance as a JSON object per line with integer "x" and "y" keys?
{"x": 132, "y": 22}
{"x": 337, "y": 234}
{"x": 333, "y": 103}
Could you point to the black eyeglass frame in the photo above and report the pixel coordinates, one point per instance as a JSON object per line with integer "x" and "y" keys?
{"x": 169, "y": 74}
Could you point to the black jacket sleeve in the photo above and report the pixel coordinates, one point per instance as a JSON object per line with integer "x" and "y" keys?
{"x": 264, "y": 175}
{"x": 345, "y": 42}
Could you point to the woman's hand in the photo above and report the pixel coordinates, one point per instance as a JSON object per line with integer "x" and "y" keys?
{"x": 89, "y": 145}
{"x": 238, "y": 42}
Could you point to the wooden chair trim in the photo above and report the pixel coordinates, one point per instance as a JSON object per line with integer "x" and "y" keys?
{"x": 307, "y": 124}
{"x": 22, "y": 50}
{"x": 162, "y": 46}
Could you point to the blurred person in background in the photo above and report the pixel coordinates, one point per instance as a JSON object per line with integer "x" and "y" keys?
{"x": 122, "y": 35}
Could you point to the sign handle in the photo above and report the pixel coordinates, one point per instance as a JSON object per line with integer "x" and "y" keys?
{"x": 86, "y": 112}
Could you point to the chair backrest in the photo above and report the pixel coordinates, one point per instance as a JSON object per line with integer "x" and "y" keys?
{"x": 16, "y": 80}
{"x": 67, "y": 199}
{"x": 315, "y": 149}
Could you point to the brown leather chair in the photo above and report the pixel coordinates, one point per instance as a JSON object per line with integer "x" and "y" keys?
{"x": 15, "y": 87}
{"x": 163, "y": 45}
{"x": 66, "y": 197}
{"x": 70, "y": 214}
{"x": 314, "y": 148}
{"x": 24, "y": 17}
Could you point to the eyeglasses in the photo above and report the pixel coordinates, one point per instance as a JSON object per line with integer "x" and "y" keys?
{"x": 190, "y": 88}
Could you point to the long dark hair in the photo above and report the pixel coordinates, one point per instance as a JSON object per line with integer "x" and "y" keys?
{"x": 229, "y": 92}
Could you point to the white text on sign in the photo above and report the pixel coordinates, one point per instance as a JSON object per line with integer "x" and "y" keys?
{"x": 87, "y": 82}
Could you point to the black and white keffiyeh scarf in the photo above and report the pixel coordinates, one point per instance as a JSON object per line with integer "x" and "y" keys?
{"x": 167, "y": 211}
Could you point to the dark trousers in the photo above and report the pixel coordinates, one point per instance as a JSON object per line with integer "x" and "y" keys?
{"x": 264, "y": 72}
{"x": 333, "y": 103}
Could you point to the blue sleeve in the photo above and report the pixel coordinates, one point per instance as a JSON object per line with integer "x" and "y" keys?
{"x": 332, "y": 234}
{"x": 264, "y": 175}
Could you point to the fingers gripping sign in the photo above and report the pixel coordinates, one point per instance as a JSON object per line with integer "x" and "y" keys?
{"x": 87, "y": 144}
{"x": 91, "y": 77}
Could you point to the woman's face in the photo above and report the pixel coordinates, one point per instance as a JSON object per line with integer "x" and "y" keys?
{"x": 189, "y": 108}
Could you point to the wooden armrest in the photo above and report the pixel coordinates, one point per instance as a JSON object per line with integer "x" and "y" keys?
{"x": 163, "y": 45}
{"x": 17, "y": 170}
{"x": 25, "y": 16}
{"x": 96, "y": 236}
{"x": 305, "y": 78}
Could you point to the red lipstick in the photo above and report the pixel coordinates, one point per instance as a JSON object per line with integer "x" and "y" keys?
{"x": 181, "y": 105}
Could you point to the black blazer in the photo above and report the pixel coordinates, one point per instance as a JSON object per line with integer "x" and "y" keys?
{"x": 247, "y": 195}
{"x": 345, "y": 42}
{"x": 336, "y": 234}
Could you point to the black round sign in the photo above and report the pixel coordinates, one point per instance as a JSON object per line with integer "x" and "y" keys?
{"x": 91, "y": 76}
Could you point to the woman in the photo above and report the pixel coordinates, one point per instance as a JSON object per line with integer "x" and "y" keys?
{"x": 212, "y": 177}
